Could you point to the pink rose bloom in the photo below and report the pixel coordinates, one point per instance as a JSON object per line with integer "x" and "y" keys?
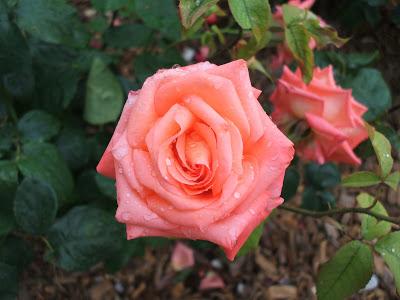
{"x": 195, "y": 156}
{"x": 182, "y": 257}
{"x": 332, "y": 114}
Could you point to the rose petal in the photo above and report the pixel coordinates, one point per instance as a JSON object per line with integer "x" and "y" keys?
{"x": 182, "y": 257}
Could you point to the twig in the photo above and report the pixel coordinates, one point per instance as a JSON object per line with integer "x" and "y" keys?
{"x": 340, "y": 211}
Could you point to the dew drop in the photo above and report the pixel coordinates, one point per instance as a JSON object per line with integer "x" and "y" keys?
{"x": 120, "y": 171}
{"x": 393, "y": 250}
{"x": 175, "y": 66}
{"x": 168, "y": 162}
{"x": 233, "y": 233}
{"x": 252, "y": 211}
{"x": 153, "y": 173}
{"x": 272, "y": 168}
{"x": 236, "y": 195}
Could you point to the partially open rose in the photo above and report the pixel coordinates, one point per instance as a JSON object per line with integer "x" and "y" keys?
{"x": 332, "y": 114}
{"x": 195, "y": 156}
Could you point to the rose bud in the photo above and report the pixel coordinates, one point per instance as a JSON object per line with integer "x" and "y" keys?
{"x": 212, "y": 19}
{"x": 202, "y": 55}
{"x": 195, "y": 156}
{"x": 331, "y": 113}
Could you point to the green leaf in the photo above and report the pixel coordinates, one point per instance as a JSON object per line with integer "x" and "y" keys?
{"x": 324, "y": 35}
{"x": 83, "y": 237}
{"x": 106, "y": 186}
{"x": 317, "y": 200}
{"x": 391, "y": 135}
{"x": 389, "y": 247}
{"x": 129, "y": 248}
{"x": 346, "y": 273}
{"x": 52, "y": 21}
{"x": 43, "y": 162}
{"x": 393, "y": 180}
{"x": 375, "y": 95}
{"x": 253, "y": 240}
{"x": 371, "y": 228}
{"x": 8, "y": 185}
{"x": 37, "y": 125}
{"x": 104, "y": 96}
{"x": 254, "y": 15}
{"x": 290, "y": 183}
{"x": 297, "y": 39}
{"x": 322, "y": 176}
{"x": 383, "y": 151}
{"x": 127, "y": 36}
{"x": 57, "y": 75}
{"x": 361, "y": 179}
{"x": 16, "y": 252}
{"x": 15, "y": 60}
{"x": 160, "y": 15}
{"x": 8, "y": 172}
{"x": 109, "y": 5}
{"x": 191, "y": 11}
{"x": 73, "y": 147}
{"x": 35, "y": 206}
{"x": 147, "y": 64}
{"x": 9, "y": 281}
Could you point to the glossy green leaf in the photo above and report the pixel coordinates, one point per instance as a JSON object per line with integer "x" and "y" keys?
{"x": 127, "y": 36}
{"x": 383, "y": 151}
{"x": 324, "y": 35}
{"x": 37, "y": 125}
{"x": 43, "y": 162}
{"x": 389, "y": 247}
{"x": 104, "y": 96}
{"x": 393, "y": 180}
{"x": 161, "y": 15}
{"x": 361, "y": 179}
{"x": 191, "y": 11}
{"x": 371, "y": 228}
{"x": 83, "y": 237}
{"x": 346, "y": 273}
{"x": 35, "y": 206}
{"x": 368, "y": 94}
{"x": 254, "y": 15}
{"x": 253, "y": 240}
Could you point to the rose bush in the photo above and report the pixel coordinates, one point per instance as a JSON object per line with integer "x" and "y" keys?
{"x": 195, "y": 156}
{"x": 332, "y": 114}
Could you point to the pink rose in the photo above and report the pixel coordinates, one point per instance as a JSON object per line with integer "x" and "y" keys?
{"x": 195, "y": 156}
{"x": 332, "y": 114}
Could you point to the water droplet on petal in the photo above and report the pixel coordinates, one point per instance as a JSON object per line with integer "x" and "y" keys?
{"x": 168, "y": 162}
{"x": 120, "y": 171}
{"x": 236, "y": 195}
{"x": 149, "y": 217}
{"x": 175, "y": 66}
{"x": 153, "y": 173}
{"x": 252, "y": 211}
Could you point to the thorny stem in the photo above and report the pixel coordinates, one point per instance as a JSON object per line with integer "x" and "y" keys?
{"x": 340, "y": 211}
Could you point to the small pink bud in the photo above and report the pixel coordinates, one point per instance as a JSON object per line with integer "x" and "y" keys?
{"x": 182, "y": 257}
